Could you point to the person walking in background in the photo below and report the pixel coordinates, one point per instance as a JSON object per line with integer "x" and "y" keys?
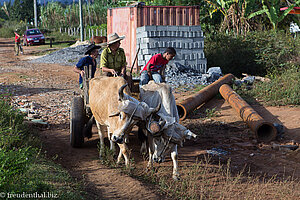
{"x": 113, "y": 59}
{"x": 155, "y": 67}
{"x": 18, "y": 47}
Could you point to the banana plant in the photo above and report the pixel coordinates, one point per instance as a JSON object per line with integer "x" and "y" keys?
{"x": 272, "y": 9}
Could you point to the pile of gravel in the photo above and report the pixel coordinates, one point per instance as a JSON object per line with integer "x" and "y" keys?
{"x": 66, "y": 56}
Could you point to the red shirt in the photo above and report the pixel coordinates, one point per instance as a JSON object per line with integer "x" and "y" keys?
{"x": 17, "y": 37}
{"x": 157, "y": 62}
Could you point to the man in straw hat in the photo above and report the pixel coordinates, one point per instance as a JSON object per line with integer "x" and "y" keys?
{"x": 113, "y": 59}
{"x": 92, "y": 53}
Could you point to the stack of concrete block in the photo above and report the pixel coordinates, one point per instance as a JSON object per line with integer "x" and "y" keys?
{"x": 188, "y": 42}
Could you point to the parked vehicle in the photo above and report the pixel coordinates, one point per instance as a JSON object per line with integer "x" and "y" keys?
{"x": 33, "y": 36}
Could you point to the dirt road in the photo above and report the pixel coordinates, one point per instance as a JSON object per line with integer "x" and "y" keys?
{"x": 49, "y": 88}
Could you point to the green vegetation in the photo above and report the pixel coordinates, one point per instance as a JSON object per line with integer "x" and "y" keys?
{"x": 23, "y": 167}
{"x": 283, "y": 89}
{"x": 211, "y": 113}
{"x": 258, "y": 53}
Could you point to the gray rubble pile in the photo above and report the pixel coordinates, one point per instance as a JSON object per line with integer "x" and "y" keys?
{"x": 178, "y": 75}
{"x": 66, "y": 56}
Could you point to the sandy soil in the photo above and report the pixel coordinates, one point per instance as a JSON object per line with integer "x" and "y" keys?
{"x": 226, "y": 131}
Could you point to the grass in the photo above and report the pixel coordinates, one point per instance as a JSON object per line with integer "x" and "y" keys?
{"x": 283, "y": 89}
{"x": 203, "y": 180}
{"x": 23, "y": 167}
{"x": 211, "y": 112}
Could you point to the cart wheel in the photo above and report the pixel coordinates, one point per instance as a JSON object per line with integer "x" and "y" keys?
{"x": 77, "y": 120}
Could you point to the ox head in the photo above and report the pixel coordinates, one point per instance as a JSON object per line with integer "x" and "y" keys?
{"x": 166, "y": 135}
{"x": 129, "y": 112}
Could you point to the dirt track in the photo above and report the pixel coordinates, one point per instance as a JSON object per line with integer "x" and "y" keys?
{"x": 52, "y": 87}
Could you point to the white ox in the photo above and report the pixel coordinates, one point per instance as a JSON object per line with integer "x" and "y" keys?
{"x": 116, "y": 111}
{"x": 169, "y": 132}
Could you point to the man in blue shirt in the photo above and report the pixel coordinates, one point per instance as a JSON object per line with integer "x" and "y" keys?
{"x": 92, "y": 52}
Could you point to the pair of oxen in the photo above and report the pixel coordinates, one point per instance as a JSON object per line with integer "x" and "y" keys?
{"x": 155, "y": 114}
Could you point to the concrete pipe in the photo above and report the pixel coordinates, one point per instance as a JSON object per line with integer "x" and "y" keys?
{"x": 204, "y": 95}
{"x": 264, "y": 131}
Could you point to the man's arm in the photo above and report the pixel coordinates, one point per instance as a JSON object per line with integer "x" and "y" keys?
{"x": 162, "y": 72}
{"x": 149, "y": 71}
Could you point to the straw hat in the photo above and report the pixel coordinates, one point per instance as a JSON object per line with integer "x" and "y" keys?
{"x": 90, "y": 48}
{"x": 114, "y": 37}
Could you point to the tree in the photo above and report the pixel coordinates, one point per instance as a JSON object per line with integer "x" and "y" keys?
{"x": 272, "y": 9}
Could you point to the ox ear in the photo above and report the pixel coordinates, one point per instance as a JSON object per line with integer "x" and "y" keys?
{"x": 121, "y": 92}
{"x": 114, "y": 114}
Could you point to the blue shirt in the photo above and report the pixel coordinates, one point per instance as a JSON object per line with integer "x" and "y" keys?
{"x": 86, "y": 61}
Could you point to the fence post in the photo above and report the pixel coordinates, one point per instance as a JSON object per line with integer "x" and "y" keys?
{"x": 89, "y": 33}
{"x": 96, "y": 32}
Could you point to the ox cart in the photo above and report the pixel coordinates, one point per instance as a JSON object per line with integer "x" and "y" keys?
{"x": 81, "y": 117}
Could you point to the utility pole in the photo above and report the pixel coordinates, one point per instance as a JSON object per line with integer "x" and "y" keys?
{"x": 81, "y": 21}
{"x": 35, "y": 14}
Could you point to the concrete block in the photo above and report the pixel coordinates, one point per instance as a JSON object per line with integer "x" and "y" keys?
{"x": 182, "y": 62}
{"x": 161, "y": 44}
{"x": 179, "y": 45}
{"x": 186, "y": 45}
{"x": 186, "y": 56}
{"x": 147, "y": 57}
{"x": 144, "y": 45}
{"x": 146, "y": 28}
{"x": 149, "y": 51}
{"x": 165, "y": 39}
{"x": 162, "y": 28}
{"x": 140, "y": 56}
{"x": 179, "y": 34}
{"x": 183, "y": 28}
{"x": 185, "y": 51}
{"x": 195, "y": 28}
{"x": 172, "y": 28}
{"x": 149, "y": 40}
{"x": 199, "y": 34}
{"x": 173, "y": 33}
{"x": 153, "y": 45}
{"x": 141, "y": 63}
{"x": 173, "y": 44}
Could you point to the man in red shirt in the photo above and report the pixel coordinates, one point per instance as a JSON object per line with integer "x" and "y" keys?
{"x": 18, "y": 43}
{"x": 155, "y": 67}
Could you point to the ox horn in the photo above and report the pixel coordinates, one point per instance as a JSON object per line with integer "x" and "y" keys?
{"x": 157, "y": 108}
{"x": 121, "y": 92}
{"x": 162, "y": 123}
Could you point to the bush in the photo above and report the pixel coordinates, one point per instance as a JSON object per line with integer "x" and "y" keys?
{"x": 258, "y": 53}
{"x": 283, "y": 89}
